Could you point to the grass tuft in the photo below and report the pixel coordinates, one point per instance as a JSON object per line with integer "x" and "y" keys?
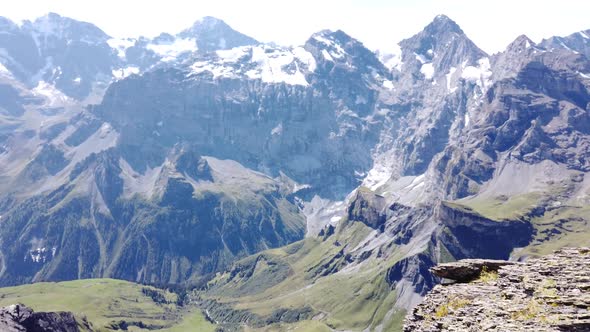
{"x": 453, "y": 304}
{"x": 487, "y": 276}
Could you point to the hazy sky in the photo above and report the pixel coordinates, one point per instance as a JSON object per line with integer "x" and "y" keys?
{"x": 377, "y": 23}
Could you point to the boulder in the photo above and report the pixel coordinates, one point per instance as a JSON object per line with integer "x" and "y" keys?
{"x": 467, "y": 269}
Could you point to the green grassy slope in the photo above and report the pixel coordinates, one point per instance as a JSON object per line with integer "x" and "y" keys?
{"x": 315, "y": 279}
{"x": 559, "y": 213}
{"x": 108, "y": 301}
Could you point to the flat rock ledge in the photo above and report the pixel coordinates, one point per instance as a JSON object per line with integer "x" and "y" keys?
{"x": 551, "y": 293}
{"x": 468, "y": 269}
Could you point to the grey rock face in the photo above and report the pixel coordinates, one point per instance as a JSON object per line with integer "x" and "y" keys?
{"x": 19, "y": 318}
{"x": 546, "y": 294}
{"x": 316, "y": 132}
{"x": 467, "y": 270}
{"x": 416, "y": 266}
{"x": 579, "y": 42}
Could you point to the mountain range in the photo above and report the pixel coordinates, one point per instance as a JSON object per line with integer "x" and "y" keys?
{"x": 311, "y": 184}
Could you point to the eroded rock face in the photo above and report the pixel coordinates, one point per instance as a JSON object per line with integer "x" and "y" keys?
{"x": 18, "y": 318}
{"x": 550, "y": 293}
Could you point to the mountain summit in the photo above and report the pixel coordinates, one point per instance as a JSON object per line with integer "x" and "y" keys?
{"x": 440, "y": 46}
{"x": 212, "y": 34}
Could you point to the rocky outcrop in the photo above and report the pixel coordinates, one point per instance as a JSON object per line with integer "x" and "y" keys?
{"x": 368, "y": 208}
{"x": 19, "y": 318}
{"x": 467, "y": 269}
{"x": 550, "y": 293}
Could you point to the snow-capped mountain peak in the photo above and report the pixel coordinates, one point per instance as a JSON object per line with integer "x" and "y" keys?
{"x": 438, "y": 48}
{"x": 213, "y": 34}
{"x": 443, "y": 24}
{"x": 59, "y": 27}
{"x": 521, "y": 43}
{"x": 206, "y": 24}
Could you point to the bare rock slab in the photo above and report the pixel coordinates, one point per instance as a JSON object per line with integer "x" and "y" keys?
{"x": 550, "y": 293}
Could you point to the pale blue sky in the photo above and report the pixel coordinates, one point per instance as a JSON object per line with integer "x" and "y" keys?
{"x": 377, "y": 23}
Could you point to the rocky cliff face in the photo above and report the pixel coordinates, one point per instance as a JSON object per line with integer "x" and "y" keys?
{"x": 19, "y": 318}
{"x": 545, "y": 294}
{"x": 109, "y": 221}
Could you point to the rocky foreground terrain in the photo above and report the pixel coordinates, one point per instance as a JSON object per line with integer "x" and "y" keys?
{"x": 550, "y": 293}
{"x": 18, "y": 318}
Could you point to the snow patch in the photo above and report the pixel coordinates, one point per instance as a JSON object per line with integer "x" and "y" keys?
{"x": 122, "y": 73}
{"x": 4, "y": 70}
{"x": 218, "y": 70}
{"x": 327, "y": 56}
{"x": 566, "y": 47}
{"x": 416, "y": 183}
{"x": 321, "y": 212}
{"x": 584, "y": 35}
{"x": 377, "y": 177}
{"x": 427, "y": 70}
{"x": 169, "y": 51}
{"x": 392, "y": 59}
{"x": 394, "y": 62}
{"x": 466, "y": 119}
{"x": 305, "y": 57}
{"x": 269, "y": 64}
{"x": 271, "y": 67}
{"x": 53, "y": 96}
{"x": 41, "y": 255}
{"x": 388, "y": 84}
{"x": 121, "y": 45}
{"x": 421, "y": 58}
{"x": 450, "y": 79}
{"x": 278, "y": 130}
{"x": 480, "y": 75}
{"x": 232, "y": 55}
{"x": 336, "y": 51}
{"x": 298, "y": 187}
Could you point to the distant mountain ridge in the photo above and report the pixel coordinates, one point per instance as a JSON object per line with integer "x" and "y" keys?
{"x": 80, "y": 60}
